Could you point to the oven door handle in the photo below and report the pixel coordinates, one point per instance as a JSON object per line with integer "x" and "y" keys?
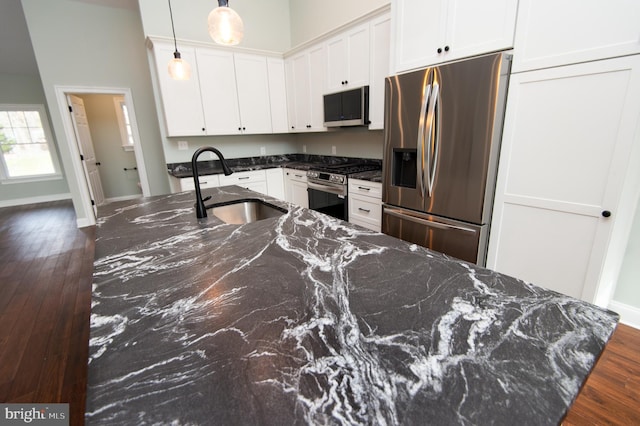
{"x": 327, "y": 188}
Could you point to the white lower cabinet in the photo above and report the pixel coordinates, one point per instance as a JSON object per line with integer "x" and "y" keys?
{"x": 568, "y": 170}
{"x": 255, "y": 180}
{"x": 295, "y": 183}
{"x": 275, "y": 183}
{"x": 365, "y": 204}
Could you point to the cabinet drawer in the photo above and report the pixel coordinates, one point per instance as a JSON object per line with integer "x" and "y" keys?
{"x": 365, "y": 209}
{"x": 297, "y": 175}
{"x": 243, "y": 178}
{"x": 206, "y": 181}
{"x": 366, "y": 188}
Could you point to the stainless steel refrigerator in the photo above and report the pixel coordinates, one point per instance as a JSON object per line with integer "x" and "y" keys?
{"x": 443, "y": 127}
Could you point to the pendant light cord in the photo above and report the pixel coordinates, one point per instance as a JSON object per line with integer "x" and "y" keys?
{"x": 175, "y": 43}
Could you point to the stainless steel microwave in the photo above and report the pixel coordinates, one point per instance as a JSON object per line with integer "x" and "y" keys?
{"x": 348, "y": 108}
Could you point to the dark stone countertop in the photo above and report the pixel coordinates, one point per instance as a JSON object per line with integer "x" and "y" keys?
{"x": 305, "y": 319}
{"x": 292, "y": 161}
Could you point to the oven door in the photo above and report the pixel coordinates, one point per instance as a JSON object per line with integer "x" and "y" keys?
{"x": 328, "y": 199}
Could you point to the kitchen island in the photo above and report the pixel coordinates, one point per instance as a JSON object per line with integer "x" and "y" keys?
{"x": 305, "y": 319}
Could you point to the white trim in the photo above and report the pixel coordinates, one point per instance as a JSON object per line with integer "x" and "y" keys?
{"x": 84, "y": 223}
{"x": 61, "y": 96}
{"x": 629, "y": 315}
{"x": 35, "y": 200}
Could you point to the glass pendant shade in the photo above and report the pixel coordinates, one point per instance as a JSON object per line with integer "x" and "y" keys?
{"x": 179, "y": 69}
{"x": 225, "y": 26}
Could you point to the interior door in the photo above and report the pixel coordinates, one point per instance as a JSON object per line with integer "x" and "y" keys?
{"x": 85, "y": 146}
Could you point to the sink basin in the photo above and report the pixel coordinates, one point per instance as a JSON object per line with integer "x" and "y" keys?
{"x": 238, "y": 212}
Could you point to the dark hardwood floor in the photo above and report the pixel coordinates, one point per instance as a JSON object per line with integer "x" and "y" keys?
{"x": 46, "y": 267}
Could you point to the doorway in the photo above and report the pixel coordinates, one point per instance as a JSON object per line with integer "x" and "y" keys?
{"x": 135, "y": 168}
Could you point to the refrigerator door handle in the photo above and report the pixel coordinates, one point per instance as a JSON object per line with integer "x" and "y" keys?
{"x": 402, "y": 215}
{"x": 433, "y": 141}
{"x": 426, "y": 94}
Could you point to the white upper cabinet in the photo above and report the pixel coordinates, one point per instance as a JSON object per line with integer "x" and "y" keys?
{"x": 435, "y": 31}
{"x": 219, "y": 96}
{"x": 380, "y": 34}
{"x": 181, "y": 101}
{"x": 306, "y": 80}
{"x": 348, "y": 59}
{"x": 277, "y": 95}
{"x": 552, "y": 33}
{"x": 252, "y": 81}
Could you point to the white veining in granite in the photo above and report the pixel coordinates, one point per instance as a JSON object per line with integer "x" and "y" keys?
{"x": 305, "y": 319}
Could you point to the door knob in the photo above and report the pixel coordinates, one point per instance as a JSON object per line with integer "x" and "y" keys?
{"x": 606, "y": 213}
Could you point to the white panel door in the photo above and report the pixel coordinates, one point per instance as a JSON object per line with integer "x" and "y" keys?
{"x": 252, "y": 82}
{"x": 475, "y": 27}
{"x": 419, "y": 28}
{"x": 278, "y": 95}
{"x": 567, "y": 139}
{"x": 85, "y": 146}
{"x": 348, "y": 60}
{"x": 380, "y": 33}
{"x": 552, "y": 33}
{"x": 181, "y": 100}
{"x": 300, "y": 108}
{"x": 219, "y": 95}
{"x": 317, "y": 84}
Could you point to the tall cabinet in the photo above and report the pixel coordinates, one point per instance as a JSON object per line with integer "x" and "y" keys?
{"x": 569, "y": 175}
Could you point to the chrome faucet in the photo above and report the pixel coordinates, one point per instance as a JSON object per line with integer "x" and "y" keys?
{"x": 201, "y": 209}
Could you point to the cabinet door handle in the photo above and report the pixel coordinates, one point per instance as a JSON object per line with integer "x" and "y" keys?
{"x": 243, "y": 178}
{"x": 439, "y": 50}
{"x": 364, "y": 188}
{"x": 606, "y": 213}
{"x": 364, "y": 210}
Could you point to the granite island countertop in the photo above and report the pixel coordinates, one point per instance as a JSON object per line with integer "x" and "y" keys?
{"x": 305, "y": 319}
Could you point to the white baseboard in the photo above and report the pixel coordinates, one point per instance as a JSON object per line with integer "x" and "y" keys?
{"x": 629, "y": 315}
{"x": 85, "y": 222}
{"x": 34, "y": 200}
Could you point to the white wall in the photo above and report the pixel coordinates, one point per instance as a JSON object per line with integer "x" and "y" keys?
{"x": 98, "y": 43}
{"x": 626, "y": 299}
{"x": 26, "y": 89}
{"x": 266, "y": 23}
{"x": 349, "y": 142}
{"x": 310, "y": 19}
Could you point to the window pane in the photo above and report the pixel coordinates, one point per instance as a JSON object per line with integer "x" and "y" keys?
{"x": 24, "y": 145}
{"x": 4, "y": 119}
{"x": 17, "y": 119}
{"x": 22, "y": 135}
{"x": 7, "y": 136}
{"x": 29, "y": 160}
{"x": 37, "y": 135}
{"x": 32, "y": 118}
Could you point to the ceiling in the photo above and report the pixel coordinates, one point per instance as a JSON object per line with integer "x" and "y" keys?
{"x": 15, "y": 44}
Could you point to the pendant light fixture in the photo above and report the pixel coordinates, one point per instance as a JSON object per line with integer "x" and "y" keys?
{"x": 179, "y": 69}
{"x": 225, "y": 25}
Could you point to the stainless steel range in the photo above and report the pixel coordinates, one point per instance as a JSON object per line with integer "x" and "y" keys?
{"x": 327, "y": 187}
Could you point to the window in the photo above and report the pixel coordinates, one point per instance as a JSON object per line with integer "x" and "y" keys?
{"x": 126, "y": 133}
{"x": 26, "y": 144}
